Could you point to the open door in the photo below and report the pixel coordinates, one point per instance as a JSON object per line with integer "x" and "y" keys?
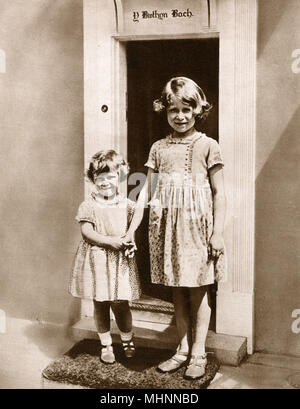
{"x": 150, "y": 64}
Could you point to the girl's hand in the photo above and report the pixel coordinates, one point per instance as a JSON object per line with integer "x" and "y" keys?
{"x": 129, "y": 237}
{"x": 216, "y": 246}
{"x": 130, "y": 246}
{"x": 115, "y": 242}
{"x": 130, "y": 249}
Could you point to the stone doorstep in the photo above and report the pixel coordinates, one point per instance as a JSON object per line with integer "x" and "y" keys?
{"x": 157, "y": 330}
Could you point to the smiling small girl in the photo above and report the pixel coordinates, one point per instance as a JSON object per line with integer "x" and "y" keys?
{"x": 102, "y": 271}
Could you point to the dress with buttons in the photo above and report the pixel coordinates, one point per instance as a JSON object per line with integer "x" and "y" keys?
{"x": 181, "y": 212}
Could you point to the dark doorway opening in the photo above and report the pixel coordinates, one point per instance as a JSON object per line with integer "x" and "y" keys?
{"x": 150, "y": 64}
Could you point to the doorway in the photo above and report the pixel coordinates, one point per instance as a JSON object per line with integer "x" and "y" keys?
{"x": 150, "y": 64}
{"x": 234, "y": 23}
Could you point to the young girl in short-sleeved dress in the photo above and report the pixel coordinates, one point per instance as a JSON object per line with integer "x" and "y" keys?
{"x": 186, "y": 219}
{"x": 104, "y": 268}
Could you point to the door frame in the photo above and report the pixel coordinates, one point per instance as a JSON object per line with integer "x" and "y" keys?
{"x": 235, "y": 23}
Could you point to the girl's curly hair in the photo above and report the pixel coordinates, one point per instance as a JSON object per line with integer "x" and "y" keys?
{"x": 188, "y": 92}
{"x": 106, "y": 161}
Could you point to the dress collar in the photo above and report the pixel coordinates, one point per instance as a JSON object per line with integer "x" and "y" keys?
{"x": 186, "y": 139}
{"x": 117, "y": 200}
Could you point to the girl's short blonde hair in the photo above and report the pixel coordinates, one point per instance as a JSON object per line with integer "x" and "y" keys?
{"x": 107, "y": 161}
{"x": 188, "y": 92}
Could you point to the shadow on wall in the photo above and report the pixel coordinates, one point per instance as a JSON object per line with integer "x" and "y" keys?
{"x": 277, "y": 265}
{"x": 53, "y": 339}
{"x": 41, "y": 153}
{"x": 277, "y": 11}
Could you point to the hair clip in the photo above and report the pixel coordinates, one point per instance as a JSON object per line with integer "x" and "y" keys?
{"x": 158, "y": 106}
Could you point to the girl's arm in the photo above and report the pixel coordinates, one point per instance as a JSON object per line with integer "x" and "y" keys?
{"x": 219, "y": 203}
{"x": 142, "y": 201}
{"x": 96, "y": 239}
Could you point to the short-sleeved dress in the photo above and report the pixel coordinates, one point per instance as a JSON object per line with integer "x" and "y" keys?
{"x": 181, "y": 212}
{"x": 100, "y": 273}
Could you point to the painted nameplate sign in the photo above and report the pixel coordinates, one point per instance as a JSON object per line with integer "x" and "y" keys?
{"x": 157, "y": 17}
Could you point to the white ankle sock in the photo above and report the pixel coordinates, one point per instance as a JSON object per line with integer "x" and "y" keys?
{"x": 126, "y": 336}
{"x": 105, "y": 338}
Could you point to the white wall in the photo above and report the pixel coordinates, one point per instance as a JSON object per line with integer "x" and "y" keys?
{"x": 41, "y": 153}
{"x": 277, "y": 273}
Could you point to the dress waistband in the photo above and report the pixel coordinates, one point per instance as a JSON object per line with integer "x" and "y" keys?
{"x": 182, "y": 181}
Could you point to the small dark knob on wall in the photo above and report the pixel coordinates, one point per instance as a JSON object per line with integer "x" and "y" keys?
{"x": 104, "y": 108}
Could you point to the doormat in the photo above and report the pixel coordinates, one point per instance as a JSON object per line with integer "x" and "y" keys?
{"x": 81, "y": 365}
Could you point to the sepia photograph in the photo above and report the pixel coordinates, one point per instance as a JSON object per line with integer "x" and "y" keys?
{"x": 150, "y": 197}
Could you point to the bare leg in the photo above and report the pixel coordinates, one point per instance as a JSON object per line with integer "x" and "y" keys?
{"x": 182, "y": 315}
{"x": 101, "y": 316}
{"x": 201, "y": 312}
{"x": 124, "y": 321}
{"x": 122, "y": 315}
{"x": 102, "y": 321}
